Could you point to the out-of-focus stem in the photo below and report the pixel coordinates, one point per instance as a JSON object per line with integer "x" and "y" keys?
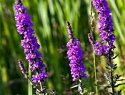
{"x": 42, "y": 89}
{"x": 91, "y": 30}
{"x": 111, "y": 74}
{"x": 95, "y": 73}
{"x": 29, "y": 85}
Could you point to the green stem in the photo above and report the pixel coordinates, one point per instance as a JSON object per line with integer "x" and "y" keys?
{"x": 112, "y": 83}
{"x": 111, "y": 73}
{"x": 29, "y": 85}
{"x": 95, "y": 73}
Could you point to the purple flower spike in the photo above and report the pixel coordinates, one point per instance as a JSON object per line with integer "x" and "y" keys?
{"x": 29, "y": 42}
{"x": 75, "y": 56}
{"x": 105, "y": 22}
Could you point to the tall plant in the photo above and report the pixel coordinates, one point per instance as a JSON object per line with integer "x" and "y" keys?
{"x": 106, "y": 45}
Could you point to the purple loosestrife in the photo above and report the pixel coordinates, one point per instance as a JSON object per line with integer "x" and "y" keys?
{"x": 105, "y": 22}
{"x": 75, "y": 56}
{"x": 107, "y": 38}
{"x": 30, "y": 43}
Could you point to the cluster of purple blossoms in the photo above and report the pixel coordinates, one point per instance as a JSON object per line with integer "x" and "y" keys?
{"x": 105, "y": 22}
{"x": 75, "y": 56}
{"x": 29, "y": 42}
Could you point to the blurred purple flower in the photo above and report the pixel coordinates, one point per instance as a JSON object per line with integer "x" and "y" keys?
{"x": 29, "y": 42}
{"x": 105, "y": 22}
{"x": 75, "y": 56}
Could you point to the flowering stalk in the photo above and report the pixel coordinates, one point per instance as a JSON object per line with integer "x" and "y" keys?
{"x": 91, "y": 29}
{"x": 75, "y": 57}
{"x": 107, "y": 38}
{"x": 23, "y": 70}
{"x": 105, "y": 22}
{"x": 30, "y": 45}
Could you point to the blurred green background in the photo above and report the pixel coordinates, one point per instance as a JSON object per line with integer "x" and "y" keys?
{"x": 49, "y": 17}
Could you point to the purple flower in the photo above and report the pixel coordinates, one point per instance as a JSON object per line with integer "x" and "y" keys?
{"x": 105, "y": 22}
{"x": 75, "y": 56}
{"x": 97, "y": 48}
{"x": 38, "y": 77}
{"x": 29, "y": 42}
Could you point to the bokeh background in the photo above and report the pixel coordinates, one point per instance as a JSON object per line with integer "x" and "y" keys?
{"x": 49, "y": 17}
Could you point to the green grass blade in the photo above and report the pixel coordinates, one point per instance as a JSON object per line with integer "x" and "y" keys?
{"x": 115, "y": 8}
{"x": 116, "y": 23}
